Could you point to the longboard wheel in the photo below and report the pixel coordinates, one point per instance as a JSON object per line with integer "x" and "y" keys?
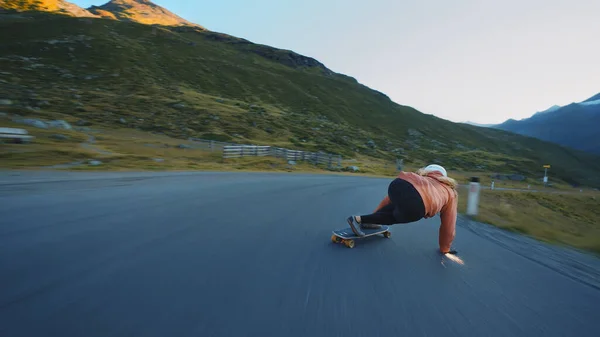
{"x": 349, "y": 243}
{"x": 387, "y": 234}
{"x": 335, "y": 239}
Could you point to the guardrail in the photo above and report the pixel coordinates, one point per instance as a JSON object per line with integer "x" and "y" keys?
{"x": 15, "y": 135}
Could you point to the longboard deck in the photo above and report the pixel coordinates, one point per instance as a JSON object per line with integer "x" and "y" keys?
{"x": 347, "y": 232}
{"x": 347, "y": 236}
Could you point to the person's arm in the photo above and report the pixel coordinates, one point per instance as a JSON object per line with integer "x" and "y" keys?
{"x": 448, "y": 226}
{"x": 386, "y": 201}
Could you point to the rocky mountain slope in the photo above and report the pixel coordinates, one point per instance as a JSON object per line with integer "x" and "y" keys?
{"x": 141, "y": 11}
{"x": 575, "y": 125}
{"x": 57, "y": 6}
{"x": 186, "y": 82}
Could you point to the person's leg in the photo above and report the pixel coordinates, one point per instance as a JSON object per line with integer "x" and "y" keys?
{"x": 406, "y": 214}
{"x": 399, "y": 192}
{"x": 406, "y": 206}
{"x": 384, "y": 216}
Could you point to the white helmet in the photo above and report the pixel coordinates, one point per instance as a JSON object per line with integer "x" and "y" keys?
{"x": 434, "y": 167}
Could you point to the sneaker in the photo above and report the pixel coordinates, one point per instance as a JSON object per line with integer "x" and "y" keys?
{"x": 355, "y": 226}
{"x": 369, "y": 226}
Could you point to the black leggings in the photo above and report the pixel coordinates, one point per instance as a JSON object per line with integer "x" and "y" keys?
{"x": 406, "y": 206}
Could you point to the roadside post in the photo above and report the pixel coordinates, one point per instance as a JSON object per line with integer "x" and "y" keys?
{"x": 546, "y": 167}
{"x": 473, "y": 197}
{"x": 399, "y": 164}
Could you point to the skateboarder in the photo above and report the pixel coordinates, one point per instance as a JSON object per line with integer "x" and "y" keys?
{"x": 413, "y": 196}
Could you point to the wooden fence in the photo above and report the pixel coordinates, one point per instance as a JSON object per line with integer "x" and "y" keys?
{"x": 210, "y": 144}
{"x": 233, "y": 150}
{"x": 238, "y": 151}
{"x": 314, "y": 157}
{"x": 15, "y": 135}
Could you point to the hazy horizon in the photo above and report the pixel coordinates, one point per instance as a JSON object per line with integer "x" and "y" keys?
{"x": 462, "y": 61}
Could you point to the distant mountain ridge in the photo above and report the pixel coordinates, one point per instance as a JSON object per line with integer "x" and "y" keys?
{"x": 552, "y": 108}
{"x": 478, "y": 124}
{"x": 593, "y": 98}
{"x": 575, "y": 125}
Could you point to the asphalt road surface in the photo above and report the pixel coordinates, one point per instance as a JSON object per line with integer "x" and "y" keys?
{"x": 223, "y": 254}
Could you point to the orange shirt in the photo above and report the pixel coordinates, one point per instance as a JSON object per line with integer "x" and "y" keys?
{"x": 437, "y": 198}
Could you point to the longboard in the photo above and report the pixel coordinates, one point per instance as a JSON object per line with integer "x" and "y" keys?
{"x": 347, "y": 236}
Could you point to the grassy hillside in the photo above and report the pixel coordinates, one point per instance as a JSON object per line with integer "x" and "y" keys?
{"x": 560, "y": 218}
{"x": 185, "y": 82}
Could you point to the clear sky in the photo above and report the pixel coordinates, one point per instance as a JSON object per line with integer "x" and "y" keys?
{"x": 477, "y": 60}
